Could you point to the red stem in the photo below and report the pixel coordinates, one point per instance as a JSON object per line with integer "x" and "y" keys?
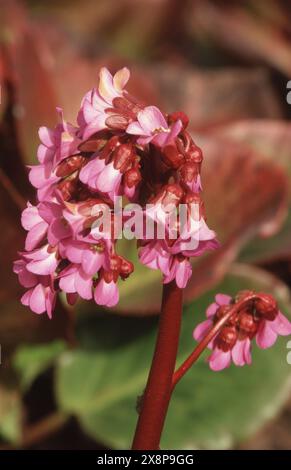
{"x": 181, "y": 371}
{"x": 158, "y": 390}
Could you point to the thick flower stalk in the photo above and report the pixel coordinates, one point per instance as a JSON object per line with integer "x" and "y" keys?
{"x": 119, "y": 148}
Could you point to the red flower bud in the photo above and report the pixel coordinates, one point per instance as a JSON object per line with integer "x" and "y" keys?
{"x": 123, "y": 157}
{"x": 126, "y": 267}
{"x": 132, "y": 177}
{"x": 266, "y": 306}
{"x": 194, "y": 154}
{"x": 172, "y": 157}
{"x": 188, "y": 172}
{"x": 117, "y": 122}
{"x": 69, "y": 165}
{"x": 247, "y": 324}
{"x": 226, "y": 338}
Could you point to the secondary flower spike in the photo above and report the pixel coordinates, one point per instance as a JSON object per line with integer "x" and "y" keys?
{"x": 259, "y": 319}
{"x": 118, "y": 148}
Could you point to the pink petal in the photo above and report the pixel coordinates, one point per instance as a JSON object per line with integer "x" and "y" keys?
{"x": 30, "y": 217}
{"x": 83, "y": 284}
{"x": 135, "y": 128}
{"x": 91, "y": 262}
{"x": 37, "y": 176}
{"x": 50, "y": 301}
{"x": 281, "y": 325}
{"x": 106, "y": 87}
{"x": 247, "y": 351}
{"x": 222, "y": 299}
{"x": 96, "y": 125}
{"x": 45, "y": 266}
{"x": 106, "y": 293}
{"x": 201, "y": 330}
{"x": 265, "y": 336}
{"x": 57, "y": 231}
{"x": 74, "y": 251}
{"x": 37, "y": 299}
{"x": 45, "y": 154}
{"x": 121, "y": 78}
{"x": 237, "y": 353}
{"x": 175, "y": 130}
{"x": 211, "y": 310}
{"x": 35, "y": 236}
{"x": 109, "y": 179}
{"x": 219, "y": 360}
{"x": 25, "y": 299}
{"x": 67, "y": 283}
{"x": 183, "y": 274}
{"x": 47, "y": 136}
{"x": 151, "y": 118}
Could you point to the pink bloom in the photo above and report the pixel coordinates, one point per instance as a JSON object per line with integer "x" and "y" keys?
{"x": 26, "y": 278}
{"x": 91, "y": 256}
{"x": 106, "y": 293}
{"x": 233, "y": 342}
{"x": 45, "y": 219}
{"x": 101, "y": 177}
{"x": 152, "y": 126}
{"x": 154, "y": 255}
{"x": 73, "y": 279}
{"x": 92, "y": 116}
{"x": 40, "y": 299}
{"x": 41, "y": 296}
{"x": 269, "y": 331}
{"x": 240, "y": 355}
{"x": 180, "y": 270}
{"x": 42, "y": 261}
{"x": 56, "y": 145}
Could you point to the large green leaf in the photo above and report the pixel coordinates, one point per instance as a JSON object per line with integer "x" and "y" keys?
{"x": 99, "y": 383}
{"x": 31, "y": 360}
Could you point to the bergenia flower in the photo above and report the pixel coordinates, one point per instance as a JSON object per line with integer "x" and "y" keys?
{"x": 81, "y": 171}
{"x": 260, "y": 320}
{"x": 97, "y": 107}
{"x": 151, "y": 126}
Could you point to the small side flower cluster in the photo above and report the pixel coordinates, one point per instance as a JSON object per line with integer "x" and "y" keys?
{"x": 259, "y": 319}
{"x": 119, "y": 147}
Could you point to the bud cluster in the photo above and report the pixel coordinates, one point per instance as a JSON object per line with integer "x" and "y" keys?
{"x": 248, "y": 316}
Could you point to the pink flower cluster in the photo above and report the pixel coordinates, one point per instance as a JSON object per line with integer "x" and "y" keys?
{"x": 260, "y": 319}
{"x": 118, "y": 148}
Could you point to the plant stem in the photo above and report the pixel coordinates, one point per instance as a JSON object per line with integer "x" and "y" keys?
{"x": 181, "y": 371}
{"x": 155, "y": 400}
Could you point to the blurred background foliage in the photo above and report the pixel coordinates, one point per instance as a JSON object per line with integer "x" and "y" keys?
{"x": 73, "y": 382}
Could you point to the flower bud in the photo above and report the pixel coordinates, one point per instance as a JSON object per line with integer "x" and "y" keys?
{"x": 123, "y": 157}
{"x": 117, "y": 122}
{"x": 126, "y": 267}
{"x": 226, "y": 338}
{"x": 172, "y": 157}
{"x": 194, "y": 154}
{"x": 132, "y": 177}
{"x": 247, "y": 324}
{"x": 69, "y": 165}
{"x": 266, "y": 306}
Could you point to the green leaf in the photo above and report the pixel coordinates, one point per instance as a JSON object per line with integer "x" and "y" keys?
{"x": 10, "y": 415}
{"x": 31, "y": 360}
{"x": 100, "y": 382}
